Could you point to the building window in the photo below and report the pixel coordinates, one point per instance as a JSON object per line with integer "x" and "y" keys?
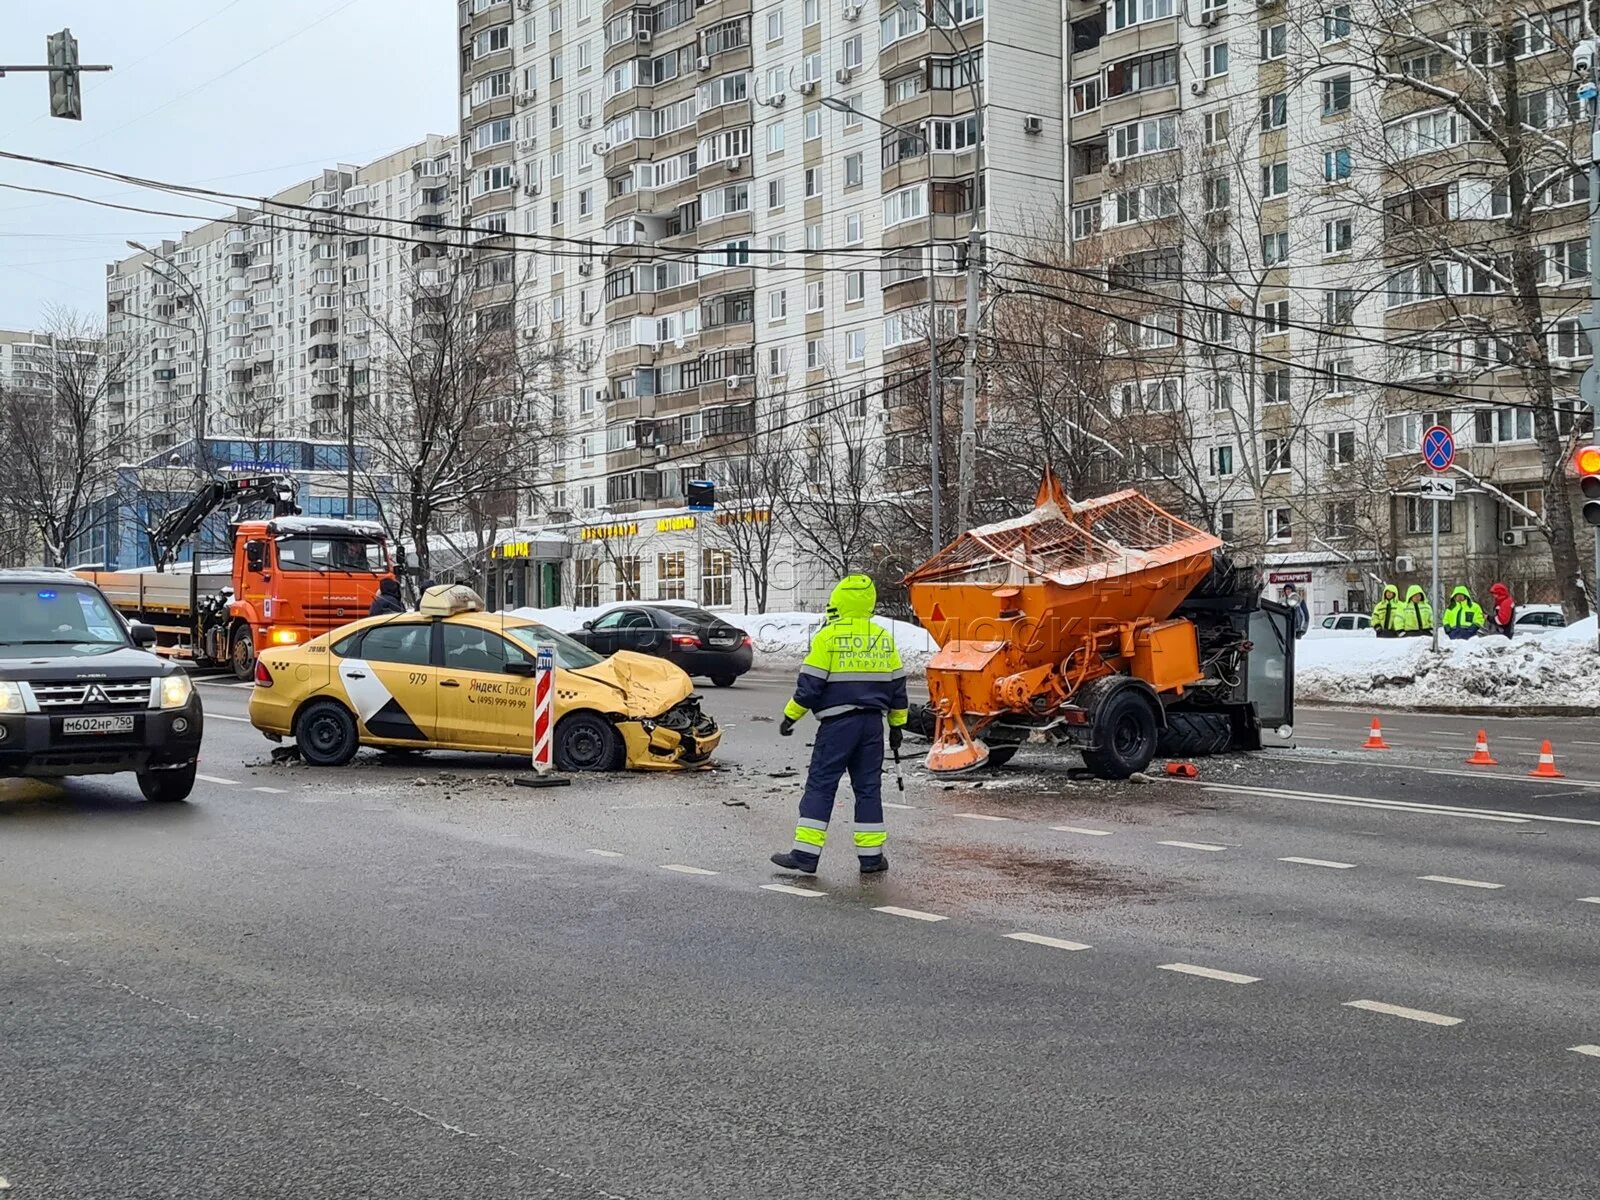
{"x": 853, "y": 170}
{"x": 716, "y": 577}
{"x": 1531, "y": 498}
{"x": 1338, "y": 236}
{"x": 1339, "y": 306}
{"x": 1274, "y": 180}
{"x": 1274, "y": 111}
{"x": 1279, "y": 524}
{"x": 813, "y": 186}
{"x": 1338, "y": 520}
{"x": 778, "y": 305}
{"x": 775, "y": 138}
{"x": 1122, "y": 14}
{"x": 586, "y": 582}
{"x": 1340, "y": 447}
{"x": 1131, "y": 75}
{"x": 816, "y": 296}
{"x": 1220, "y": 461}
{"x": 814, "y": 354}
{"x": 855, "y": 287}
{"x": 1277, "y": 454}
{"x": 813, "y": 125}
{"x": 1336, "y": 23}
{"x": 855, "y": 346}
{"x": 1419, "y": 515}
{"x": 1219, "y": 393}
{"x": 852, "y": 229}
{"x": 1274, "y": 41}
{"x": 1335, "y": 95}
{"x": 1215, "y": 125}
{"x": 1336, "y": 165}
{"x": 775, "y": 26}
{"x": 1274, "y": 248}
{"x": 670, "y": 576}
{"x": 1216, "y": 59}
{"x": 1275, "y": 386}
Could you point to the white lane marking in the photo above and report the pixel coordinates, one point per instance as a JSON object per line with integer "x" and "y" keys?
{"x": 1589, "y": 899}
{"x": 788, "y": 889}
{"x": 1193, "y": 845}
{"x": 1318, "y": 862}
{"x": 1450, "y": 773}
{"x": 1578, "y": 742}
{"x": 1591, "y": 1051}
{"x": 216, "y": 716}
{"x": 1039, "y": 939}
{"x": 981, "y": 817}
{"x": 271, "y": 791}
{"x": 217, "y": 779}
{"x": 1396, "y": 1010}
{"x": 1083, "y": 830}
{"x": 1208, "y": 973}
{"x": 1416, "y": 808}
{"x": 1472, "y": 883}
{"x": 606, "y": 853}
{"x": 683, "y": 870}
{"x": 912, "y": 913}
{"x": 906, "y": 807}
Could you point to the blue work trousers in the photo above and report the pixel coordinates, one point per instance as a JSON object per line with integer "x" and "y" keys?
{"x": 851, "y": 742}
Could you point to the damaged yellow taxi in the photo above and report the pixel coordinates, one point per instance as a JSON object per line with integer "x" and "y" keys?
{"x": 453, "y": 677}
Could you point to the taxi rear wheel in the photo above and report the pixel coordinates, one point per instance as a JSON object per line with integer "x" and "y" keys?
{"x": 326, "y": 734}
{"x": 586, "y": 741}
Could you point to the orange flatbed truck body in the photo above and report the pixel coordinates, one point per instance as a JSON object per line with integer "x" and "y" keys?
{"x": 292, "y": 579}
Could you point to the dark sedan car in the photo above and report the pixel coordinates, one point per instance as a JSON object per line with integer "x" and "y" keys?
{"x": 699, "y": 642}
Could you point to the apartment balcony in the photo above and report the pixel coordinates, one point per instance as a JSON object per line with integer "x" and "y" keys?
{"x": 634, "y": 358}
{"x": 262, "y": 273}
{"x": 730, "y": 279}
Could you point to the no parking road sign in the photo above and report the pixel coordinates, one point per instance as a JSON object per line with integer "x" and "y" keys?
{"x": 1438, "y": 448}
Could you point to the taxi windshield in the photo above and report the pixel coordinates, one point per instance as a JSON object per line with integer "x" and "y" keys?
{"x": 570, "y": 655}
{"x": 309, "y": 553}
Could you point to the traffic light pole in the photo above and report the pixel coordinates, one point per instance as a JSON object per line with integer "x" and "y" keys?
{"x": 64, "y": 69}
{"x": 1584, "y": 63}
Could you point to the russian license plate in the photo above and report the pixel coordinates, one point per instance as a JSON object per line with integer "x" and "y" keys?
{"x": 108, "y": 724}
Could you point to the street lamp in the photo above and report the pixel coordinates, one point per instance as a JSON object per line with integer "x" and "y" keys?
{"x": 935, "y": 397}
{"x": 202, "y": 398}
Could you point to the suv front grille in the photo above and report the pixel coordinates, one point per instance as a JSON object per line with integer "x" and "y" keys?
{"x": 125, "y": 693}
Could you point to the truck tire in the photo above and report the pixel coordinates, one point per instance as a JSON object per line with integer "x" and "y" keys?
{"x": 326, "y": 734}
{"x": 1125, "y": 733}
{"x": 999, "y": 756}
{"x": 1196, "y": 734}
{"x": 243, "y": 657}
{"x": 168, "y": 787}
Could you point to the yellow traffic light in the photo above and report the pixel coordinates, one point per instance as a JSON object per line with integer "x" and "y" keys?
{"x": 1587, "y": 461}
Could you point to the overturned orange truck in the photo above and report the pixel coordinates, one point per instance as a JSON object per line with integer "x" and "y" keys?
{"x": 1108, "y": 625}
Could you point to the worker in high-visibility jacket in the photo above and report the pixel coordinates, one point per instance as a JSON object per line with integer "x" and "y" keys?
{"x": 851, "y": 679}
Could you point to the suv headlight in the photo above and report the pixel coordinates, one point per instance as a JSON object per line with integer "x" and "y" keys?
{"x": 175, "y": 690}
{"x": 11, "y": 698}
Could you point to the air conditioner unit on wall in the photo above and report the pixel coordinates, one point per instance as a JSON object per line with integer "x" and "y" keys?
{"x": 644, "y": 37}
{"x": 1404, "y": 564}
{"x": 843, "y": 75}
{"x": 1210, "y": 19}
{"x": 1514, "y": 537}
{"x": 807, "y": 86}
{"x": 1032, "y": 124}
{"x": 1197, "y": 87}
{"x": 703, "y": 63}
{"x": 1116, "y": 167}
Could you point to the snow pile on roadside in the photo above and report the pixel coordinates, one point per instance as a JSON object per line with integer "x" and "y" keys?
{"x": 779, "y": 637}
{"x": 1559, "y": 668}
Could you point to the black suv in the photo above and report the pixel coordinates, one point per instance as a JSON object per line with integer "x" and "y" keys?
{"x": 81, "y": 695}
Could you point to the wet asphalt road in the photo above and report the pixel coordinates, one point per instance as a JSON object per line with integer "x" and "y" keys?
{"x": 1324, "y": 972}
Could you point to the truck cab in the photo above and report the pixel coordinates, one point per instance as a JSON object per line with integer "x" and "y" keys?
{"x": 295, "y": 578}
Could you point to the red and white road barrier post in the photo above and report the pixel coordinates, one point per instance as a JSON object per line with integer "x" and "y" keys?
{"x": 544, "y": 719}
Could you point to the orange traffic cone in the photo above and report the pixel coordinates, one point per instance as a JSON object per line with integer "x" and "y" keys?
{"x": 1183, "y": 770}
{"x": 1480, "y": 756}
{"x": 1375, "y": 738}
{"x": 1547, "y": 764}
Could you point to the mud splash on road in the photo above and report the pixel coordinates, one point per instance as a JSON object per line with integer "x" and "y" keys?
{"x": 1004, "y": 875}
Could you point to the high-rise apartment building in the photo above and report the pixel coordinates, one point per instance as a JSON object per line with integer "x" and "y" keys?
{"x": 725, "y": 212}
{"x": 1311, "y": 251}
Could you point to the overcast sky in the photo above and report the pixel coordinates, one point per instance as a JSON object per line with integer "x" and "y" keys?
{"x": 242, "y": 95}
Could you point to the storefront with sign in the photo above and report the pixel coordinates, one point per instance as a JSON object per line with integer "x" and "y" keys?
{"x": 1327, "y": 584}
{"x": 526, "y": 570}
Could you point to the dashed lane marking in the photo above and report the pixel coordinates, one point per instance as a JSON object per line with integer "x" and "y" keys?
{"x": 1208, "y": 973}
{"x": 271, "y": 791}
{"x": 606, "y": 853}
{"x": 1589, "y": 899}
{"x": 1397, "y": 1010}
{"x": 1039, "y": 939}
{"x": 1449, "y": 773}
{"x": 1193, "y": 845}
{"x": 217, "y": 779}
{"x": 1591, "y": 1051}
{"x": 1318, "y": 862}
{"x": 981, "y": 817}
{"x": 216, "y": 716}
{"x": 1087, "y": 832}
{"x": 903, "y": 807}
{"x": 911, "y": 913}
{"x": 1471, "y": 883}
{"x": 686, "y": 870}
{"x": 788, "y": 889}
{"x": 1414, "y": 807}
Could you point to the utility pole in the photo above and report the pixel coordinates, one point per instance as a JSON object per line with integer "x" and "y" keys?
{"x": 1584, "y": 56}
{"x": 969, "y": 378}
{"x": 65, "y": 71}
{"x": 350, "y": 440}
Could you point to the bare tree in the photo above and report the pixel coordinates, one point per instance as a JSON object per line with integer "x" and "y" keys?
{"x": 1478, "y": 188}
{"x": 62, "y": 437}
{"x": 758, "y": 472}
{"x": 458, "y": 381}
{"x": 830, "y": 511}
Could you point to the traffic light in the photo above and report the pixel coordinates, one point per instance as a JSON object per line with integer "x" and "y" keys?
{"x": 1588, "y": 463}
{"x": 701, "y": 495}
{"x": 66, "y": 95}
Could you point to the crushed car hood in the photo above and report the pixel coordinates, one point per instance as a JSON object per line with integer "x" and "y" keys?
{"x": 649, "y": 686}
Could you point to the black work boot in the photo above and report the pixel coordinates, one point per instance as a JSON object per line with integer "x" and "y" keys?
{"x": 872, "y": 865}
{"x": 796, "y": 860}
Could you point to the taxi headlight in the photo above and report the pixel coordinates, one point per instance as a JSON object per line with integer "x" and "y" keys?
{"x": 176, "y": 690}
{"x": 11, "y": 698}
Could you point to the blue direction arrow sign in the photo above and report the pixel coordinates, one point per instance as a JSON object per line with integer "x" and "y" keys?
{"x": 1438, "y": 448}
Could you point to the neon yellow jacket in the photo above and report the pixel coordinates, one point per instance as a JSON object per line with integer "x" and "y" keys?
{"x": 853, "y": 662}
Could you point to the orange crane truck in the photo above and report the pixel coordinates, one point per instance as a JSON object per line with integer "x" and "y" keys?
{"x": 1108, "y": 625}
{"x": 292, "y": 578}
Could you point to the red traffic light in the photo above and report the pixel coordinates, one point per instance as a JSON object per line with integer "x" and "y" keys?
{"x": 1587, "y": 460}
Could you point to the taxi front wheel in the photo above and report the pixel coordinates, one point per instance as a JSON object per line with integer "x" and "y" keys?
{"x": 326, "y": 734}
{"x": 586, "y": 741}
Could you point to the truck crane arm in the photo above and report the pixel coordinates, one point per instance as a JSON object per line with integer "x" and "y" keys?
{"x": 281, "y": 491}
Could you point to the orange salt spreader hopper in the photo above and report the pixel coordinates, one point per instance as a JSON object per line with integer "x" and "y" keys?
{"x": 1061, "y": 621}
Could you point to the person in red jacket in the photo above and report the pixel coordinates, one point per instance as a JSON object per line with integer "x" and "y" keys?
{"x": 1502, "y": 612}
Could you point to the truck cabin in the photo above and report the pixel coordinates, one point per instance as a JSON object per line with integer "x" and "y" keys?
{"x": 300, "y": 546}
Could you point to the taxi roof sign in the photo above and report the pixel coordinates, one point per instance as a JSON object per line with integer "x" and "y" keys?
{"x": 448, "y": 599}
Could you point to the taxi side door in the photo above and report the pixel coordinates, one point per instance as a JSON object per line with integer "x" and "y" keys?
{"x": 391, "y": 681}
{"x": 482, "y": 706}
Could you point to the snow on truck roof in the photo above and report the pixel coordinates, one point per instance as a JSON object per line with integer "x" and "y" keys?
{"x": 326, "y": 526}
